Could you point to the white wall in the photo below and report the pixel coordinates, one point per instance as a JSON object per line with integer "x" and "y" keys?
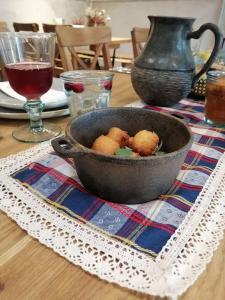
{"x": 126, "y": 14}
{"x": 40, "y": 11}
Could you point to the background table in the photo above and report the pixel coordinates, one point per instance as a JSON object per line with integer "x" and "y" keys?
{"x": 29, "y": 270}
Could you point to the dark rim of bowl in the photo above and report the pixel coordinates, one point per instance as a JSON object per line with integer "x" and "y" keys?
{"x": 87, "y": 150}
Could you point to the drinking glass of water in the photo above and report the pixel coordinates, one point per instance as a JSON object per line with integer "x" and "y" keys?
{"x": 87, "y": 90}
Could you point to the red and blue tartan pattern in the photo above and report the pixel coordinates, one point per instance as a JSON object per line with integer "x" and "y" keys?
{"x": 145, "y": 227}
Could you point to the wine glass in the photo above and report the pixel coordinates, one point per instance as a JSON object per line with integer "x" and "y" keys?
{"x": 29, "y": 60}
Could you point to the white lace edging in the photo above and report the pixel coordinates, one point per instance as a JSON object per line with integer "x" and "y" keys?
{"x": 177, "y": 266}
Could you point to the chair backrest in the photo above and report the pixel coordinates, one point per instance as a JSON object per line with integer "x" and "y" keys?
{"x": 139, "y": 36}
{"x": 3, "y": 75}
{"x": 58, "y": 62}
{"x": 26, "y": 27}
{"x": 48, "y": 27}
{"x": 3, "y": 26}
{"x": 52, "y": 27}
{"x": 69, "y": 39}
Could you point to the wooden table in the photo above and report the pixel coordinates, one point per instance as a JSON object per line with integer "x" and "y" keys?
{"x": 29, "y": 270}
{"x": 120, "y": 40}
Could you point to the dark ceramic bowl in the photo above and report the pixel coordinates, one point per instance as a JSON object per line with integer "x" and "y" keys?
{"x": 124, "y": 179}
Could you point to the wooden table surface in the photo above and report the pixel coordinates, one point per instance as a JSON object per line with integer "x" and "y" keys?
{"x": 120, "y": 40}
{"x": 29, "y": 270}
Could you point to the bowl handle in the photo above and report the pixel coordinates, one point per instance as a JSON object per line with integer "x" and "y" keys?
{"x": 62, "y": 145}
{"x": 179, "y": 117}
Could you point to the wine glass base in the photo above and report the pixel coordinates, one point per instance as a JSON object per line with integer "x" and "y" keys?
{"x": 25, "y": 134}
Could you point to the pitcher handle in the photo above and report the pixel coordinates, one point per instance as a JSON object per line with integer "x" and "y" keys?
{"x": 218, "y": 40}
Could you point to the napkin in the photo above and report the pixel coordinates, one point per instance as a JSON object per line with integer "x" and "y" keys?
{"x": 51, "y": 99}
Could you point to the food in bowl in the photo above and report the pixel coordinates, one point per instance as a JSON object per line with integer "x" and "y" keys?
{"x": 119, "y": 135}
{"x": 142, "y": 144}
{"x": 105, "y": 145}
{"x": 123, "y": 179}
{"x": 145, "y": 142}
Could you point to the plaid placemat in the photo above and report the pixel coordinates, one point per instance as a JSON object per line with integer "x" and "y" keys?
{"x": 146, "y": 227}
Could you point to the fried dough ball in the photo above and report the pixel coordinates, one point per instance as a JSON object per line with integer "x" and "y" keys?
{"x": 145, "y": 142}
{"x": 119, "y": 135}
{"x": 130, "y": 141}
{"x": 104, "y": 144}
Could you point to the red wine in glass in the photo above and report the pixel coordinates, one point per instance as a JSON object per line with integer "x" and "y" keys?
{"x": 30, "y": 79}
{"x": 29, "y": 62}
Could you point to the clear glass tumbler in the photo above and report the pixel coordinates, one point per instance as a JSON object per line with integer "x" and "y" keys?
{"x": 87, "y": 90}
{"x": 215, "y": 99}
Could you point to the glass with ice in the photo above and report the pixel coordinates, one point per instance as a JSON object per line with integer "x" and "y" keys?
{"x": 87, "y": 90}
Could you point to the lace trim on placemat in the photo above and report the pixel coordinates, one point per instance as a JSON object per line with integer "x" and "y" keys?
{"x": 177, "y": 266}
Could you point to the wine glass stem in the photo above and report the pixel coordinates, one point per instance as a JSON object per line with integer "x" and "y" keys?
{"x": 34, "y": 109}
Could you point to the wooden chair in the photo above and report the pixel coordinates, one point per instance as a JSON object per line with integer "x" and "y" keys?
{"x": 3, "y": 75}
{"x": 26, "y": 27}
{"x": 3, "y": 28}
{"x": 70, "y": 39}
{"x": 139, "y": 36}
{"x": 58, "y": 69}
{"x": 48, "y": 27}
{"x": 52, "y": 27}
